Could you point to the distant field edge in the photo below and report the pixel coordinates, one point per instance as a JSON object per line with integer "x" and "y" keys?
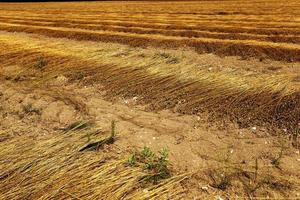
{"x": 244, "y": 49}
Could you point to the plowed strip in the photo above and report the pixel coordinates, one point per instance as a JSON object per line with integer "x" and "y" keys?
{"x": 171, "y": 20}
{"x": 165, "y": 25}
{"x": 270, "y": 101}
{"x": 244, "y": 48}
{"x": 171, "y": 32}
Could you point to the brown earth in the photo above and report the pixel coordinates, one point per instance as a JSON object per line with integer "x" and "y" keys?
{"x": 217, "y": 86}
{"x": 195, "y": 146}
{"x": 38, "y": 104}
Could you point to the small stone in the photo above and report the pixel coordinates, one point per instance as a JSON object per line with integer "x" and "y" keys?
{"x": 134, "y": 98}
{"x": 219, "y": 198}
{"x": 205, "y": 188}
{"x": 253, "y": 128}
{"x": 145, "y": 191}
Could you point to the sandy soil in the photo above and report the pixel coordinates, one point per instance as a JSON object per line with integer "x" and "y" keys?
{"x": 194, "y": 144}
{"x": 40, "y": 102}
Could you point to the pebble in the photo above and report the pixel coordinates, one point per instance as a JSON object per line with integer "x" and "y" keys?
{"x": 219, "y": 198}
{"x": 134, "y": 98}
{"x": 205, "y": 188}
{"x": 145, "y": 191}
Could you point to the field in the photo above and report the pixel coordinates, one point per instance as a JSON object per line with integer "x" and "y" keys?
{"x": 252, "y": 29}
{"x": 87, "y": 87}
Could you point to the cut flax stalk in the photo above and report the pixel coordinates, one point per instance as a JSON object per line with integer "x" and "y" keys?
{"x": 54, "y": 168}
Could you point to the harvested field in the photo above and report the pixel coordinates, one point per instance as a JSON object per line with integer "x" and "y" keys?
{"x": 268, "y": 29}
{"x": 215, "y": 83}
{"x": 163, "y": 80}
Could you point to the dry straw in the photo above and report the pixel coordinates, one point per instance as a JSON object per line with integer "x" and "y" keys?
{"x": 55, "y": 168}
